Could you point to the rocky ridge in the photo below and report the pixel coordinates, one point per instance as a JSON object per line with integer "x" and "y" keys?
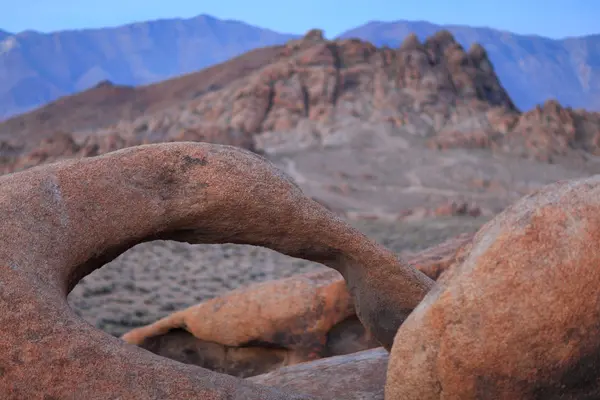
{"x": 308, "y": 91}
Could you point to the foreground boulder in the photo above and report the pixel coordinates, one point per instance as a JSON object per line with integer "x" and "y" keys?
{"x": 519, "y": 318}
{"x": 62, "y": 221}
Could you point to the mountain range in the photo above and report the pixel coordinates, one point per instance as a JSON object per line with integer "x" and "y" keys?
{"x": 36, "y": 68}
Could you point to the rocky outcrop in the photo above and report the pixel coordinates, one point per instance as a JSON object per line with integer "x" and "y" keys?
{"x": 545, "y": 133}
{"x": 434, "y": 90}
{"x": 514, "y": 313}
{"x": 62, "y": 221}
{"x": 292, "y": 315}
{"x": 518, "y": 317}
{"x": 301, "y": 92}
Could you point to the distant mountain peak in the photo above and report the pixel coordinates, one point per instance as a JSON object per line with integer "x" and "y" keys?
{"x": 46, "y": 66}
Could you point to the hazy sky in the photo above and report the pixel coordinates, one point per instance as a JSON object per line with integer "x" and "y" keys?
{"x": 552, "y": 18}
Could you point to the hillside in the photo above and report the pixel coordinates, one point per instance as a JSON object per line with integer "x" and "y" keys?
{"x": 107, "y": 103}
{"x": 436, "y": 91}
{"x": 36, "y": 68}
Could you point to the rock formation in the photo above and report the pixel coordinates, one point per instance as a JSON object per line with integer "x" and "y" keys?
{"x": 514, "y": 315}
{"x": 64, "y": 220}
{"x": 276, "y": 323}
{"x": 519, "y": 317}
{"x": 301, "y": 92}
{"x": 291, "y": 317}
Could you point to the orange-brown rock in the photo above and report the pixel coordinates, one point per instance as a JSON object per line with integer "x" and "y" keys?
{"x": 518, "y": 318}
{"x": 277, "y": 323}
{"x": 254, "y": 358}
{"x": 437, "y": 259}
{"x": 62, "y": 221}
{"x": 544, "y": 133}
{"x": 294, "y": 313}
{"x": 249, "y": 360}
{"x": 551, "y": 130}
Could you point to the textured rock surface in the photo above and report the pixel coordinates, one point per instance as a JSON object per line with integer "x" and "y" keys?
{"x": 531, "y": 68}
{"x": 347, "y": 337}
{"x": 436, "y": 260}
{"x": 328, "y": 70}
{"x": 294, "y": 313}
{"x": 275, "y": 323}
{"x": 518, "y": 318}
{"x": 358, "y": 376}
{"x": 547, "y": 133}
{"x": 64, "y": 220}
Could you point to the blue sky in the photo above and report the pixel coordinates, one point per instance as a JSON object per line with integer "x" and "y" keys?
{"x": 552, "y": 18}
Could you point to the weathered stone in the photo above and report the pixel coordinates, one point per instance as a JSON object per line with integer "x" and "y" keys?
{"x": 519, "y": 317}
{"x": 450, "y": 96}
{"x": 434, "y": 261}
{"x": 295, "y": 314}
{"x": 277, "y": 323}
{"x": 358, "y": 376}
{"x": 310, "y": 80}
{"x": 62, "y": 221}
